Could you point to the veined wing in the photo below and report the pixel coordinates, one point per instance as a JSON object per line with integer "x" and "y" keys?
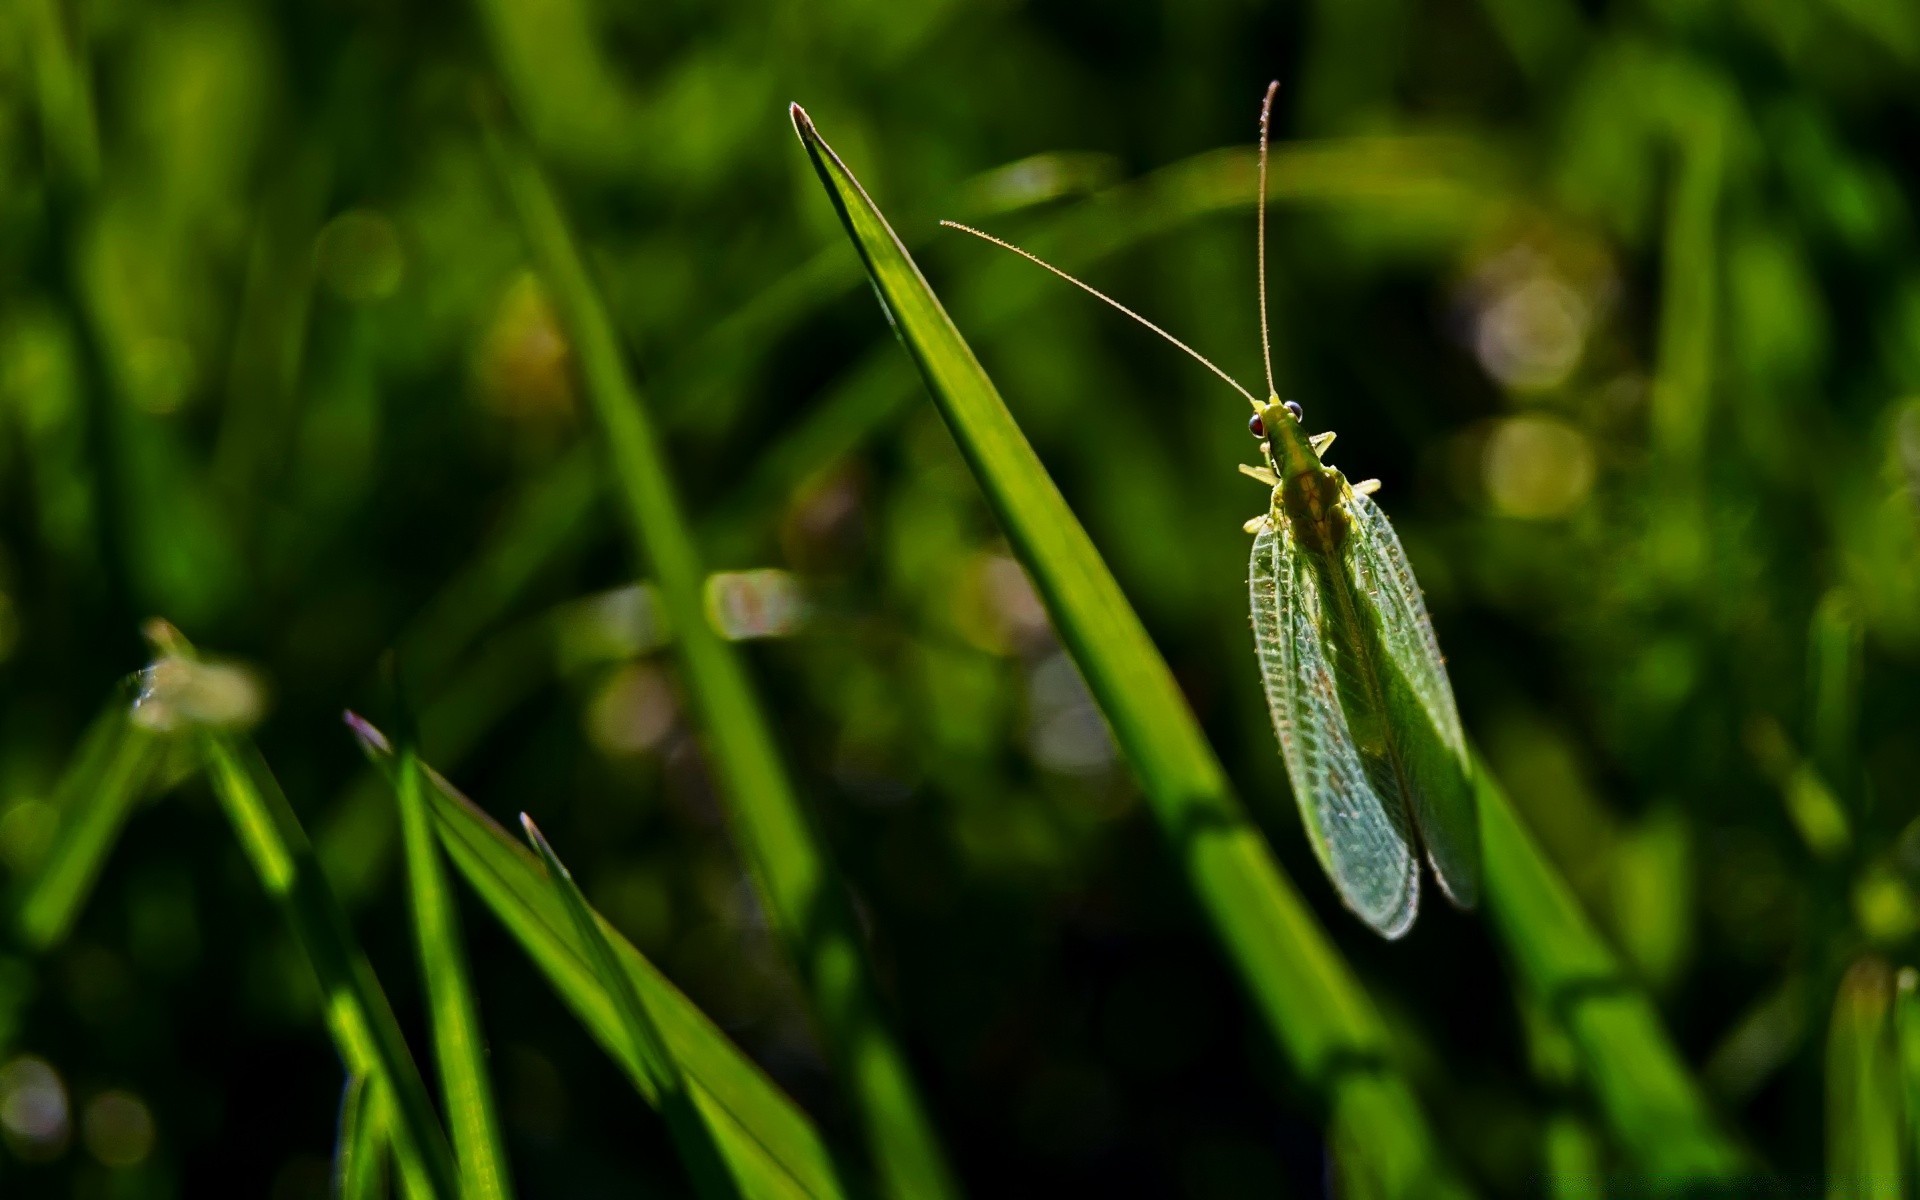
{"x": 1363, "y": 849}
{"x": 1433, "y": 750}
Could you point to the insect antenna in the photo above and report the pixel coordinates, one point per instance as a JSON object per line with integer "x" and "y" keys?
{"x": 1097, "y": 294}
{"x": 1266, "y": 342}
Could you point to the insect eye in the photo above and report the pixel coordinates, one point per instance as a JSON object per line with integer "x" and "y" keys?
{"x": 1256, "y": 426}
{"x": 1293, "y": 406}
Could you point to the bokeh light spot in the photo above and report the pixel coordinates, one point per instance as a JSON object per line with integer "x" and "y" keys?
{"x": 118, "y": 1129}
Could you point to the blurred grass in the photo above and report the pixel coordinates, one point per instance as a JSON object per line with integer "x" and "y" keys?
{"x": 112, "y": 768}
{"x": 359, "y": 1150}
{"x": 1313, "y": 1005}
{"x": 770, "y": 1142}
{"x": 796, "y": 881}
{"x": 1869, "y": 1151}
{"x": 1643, "y": 1087}
{"x": 692, "y": 1135}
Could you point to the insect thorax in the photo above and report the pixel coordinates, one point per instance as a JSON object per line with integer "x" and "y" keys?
{"x": 1313, "y": 502}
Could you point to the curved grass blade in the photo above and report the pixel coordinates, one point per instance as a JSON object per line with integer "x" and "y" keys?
{"x": 357, "y": 1013}
{"x": 459, "y": 1044}
{"x": 1651, "y": 1102}
{"x": 111, "y": 770}
{"x": 770, "y": 1144}
{"x": 1867, "y": 1150}
{"x": 1310, "y": 1000}
{"x": 784, "y": 856}
{"x": 692, "y": 1136}
{"x": 359, "y": 1149}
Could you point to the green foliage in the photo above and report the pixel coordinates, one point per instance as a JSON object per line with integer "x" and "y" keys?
{"x": 363, "y": 1026}
{"x": 694, "y": 1138}
{"x": 792, "y": 873}
{"x": 459, "y": 1043}
{"x": 771, "y": 1146}
{"x": 1620, "y": 301}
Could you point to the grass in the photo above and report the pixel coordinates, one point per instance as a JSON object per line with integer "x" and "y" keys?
{"x": 692, "y": 1135}
{"x": 357, "y": 1014}
{"x": 459, "y": 1042}
{"x": 771, "y": 1145}
{"x": 111, "y": 770}
{"x": 281, "y": 379}
{"x": 773, "y": 831}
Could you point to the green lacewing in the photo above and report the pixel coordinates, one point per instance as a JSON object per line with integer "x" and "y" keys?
{"x": 1358, "y": 692}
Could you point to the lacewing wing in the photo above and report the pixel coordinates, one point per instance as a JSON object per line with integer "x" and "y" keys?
{"x": 1356, "y": 687}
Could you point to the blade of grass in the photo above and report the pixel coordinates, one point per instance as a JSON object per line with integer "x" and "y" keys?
{"x": 790, "y": 867}
{"x": 359, "y": 1150}
{"x": 1309, "y": 998}
{"x": 1651, "y": 1102}
{"x": 692, "y": 1136}
{"x": 770, "y": 1143}
{"x": 362, "y": 1023}
{"x": 458, "y": 1041}
{"x": 111, "y": 770}
{"x": 1906, "y": 1032}
{"x": 1866, "y": 1121}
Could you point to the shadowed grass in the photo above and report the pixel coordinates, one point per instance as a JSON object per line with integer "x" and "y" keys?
{"x": 775, "y": 837}
{"x": 357, "y": 1013}
{"x": 770, "y": 1144}
{"x": 692, "y": 1136}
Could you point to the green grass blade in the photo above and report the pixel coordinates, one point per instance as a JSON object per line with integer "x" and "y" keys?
{"x": 1906, "y": 1029}
{"x": 362, "y": 1023}
{"x": 458, "y": 1041}
{"x": 692, "y": 1136}
{"x": 1307, "y": 995}
{"x": 769, "y": 1142}
{"x": 359, "y": 1150}
{"x": 1651, "y": 1102}
{"x": 1866, "y": 1119}
{"x": 803, "y": 898}
{"x": 110, "y": 771}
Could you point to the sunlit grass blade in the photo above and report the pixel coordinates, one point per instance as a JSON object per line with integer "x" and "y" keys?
{"x": 692, "y": 1136}
{"x": 770, "y": 1144}
{"x": 359, "y": 1149}
{"x": 459, "y": 1043}
{"x": 1308, "y": 997}
{"x": 791, "y": 869}
{"x": 1867, "y": 1149}
{"x": 111, "y": 770}
{"x": 1651, "y": 1102}
{"x": 357, "y": 1013}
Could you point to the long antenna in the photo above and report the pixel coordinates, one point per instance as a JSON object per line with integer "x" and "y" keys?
{"x": 1097, "y": 294}
{"x": 1266, "y": 342}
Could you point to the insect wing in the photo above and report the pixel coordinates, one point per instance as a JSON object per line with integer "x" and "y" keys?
{"x": 1357, "y": 840}
{"x": 1426, "y": 724}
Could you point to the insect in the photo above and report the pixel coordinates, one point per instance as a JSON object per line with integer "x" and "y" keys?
{"x": 1355, "y": 684}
